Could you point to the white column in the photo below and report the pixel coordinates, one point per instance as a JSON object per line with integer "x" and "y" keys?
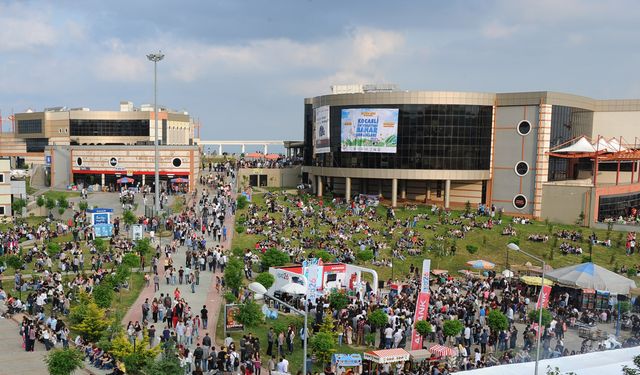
{"x": 347, "y": 189}
{"x": 319, "y": 185}
{"x": 243, "y": 148}
{"x": 403, "y": 189}
{"x": 219, "y": 150}
{"x": 265, "y": 149}
{"x": 394, "y": 192}
{"x": 102, "y": 179}
{"x": 379, "y": 187}
{"x": 447, "y": 190}
{"x": 428, "y": 193}
{"x": 144, "y": 179}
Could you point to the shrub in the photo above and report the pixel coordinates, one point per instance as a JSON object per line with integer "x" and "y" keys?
{"x": 230, "y": 297}
{"x": 100, "y": 245}
{"x": 338, "y": 300}
{"x": 423, "y": 327}
{"x": 239, "y": 229}
{"x": 323, "y": 345}
{"x": 497, "y": 321}
{"x": 61, "y": 210}
{"x": 249, "y": 314}
{"x": 364, "y": 255}
{"x": 325, "y": 256}
{"x": 93, "y": 323}
{"x": 472, "y": 249}
{"x": 546, "y": 317}
{"x": 53, "y": 249}
{"x": 103, "y": 295}
{"x": 452, "y": 328}
{"x": 40, "y": 201}
{"x": 632, "y": 272}
{"x": 18, "y": 205}
{"x": 83, "y": 205}
{"x": 378, "y": 318}
{"x": 274, "y": 258}
{"x": 233, "y": 274}
{"x": 129, "y": 218}
{"x": 130, "y": 260}
{"x": 64, "y": 361}
{"x": 266, "y": 279}
{"x": 241, "y": 202}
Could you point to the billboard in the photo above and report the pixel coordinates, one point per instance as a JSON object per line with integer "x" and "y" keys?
{"x": 422, "y": 305}
{"x": 231, "y": 323}
{"x": 369, "y": 130}
{"x": 321, "y": 131}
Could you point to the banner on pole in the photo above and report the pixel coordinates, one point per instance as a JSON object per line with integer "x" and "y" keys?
{"x": 546, "y": 292}
{"x": 422, "y": 305}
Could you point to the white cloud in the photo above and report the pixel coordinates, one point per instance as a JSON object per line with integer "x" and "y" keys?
{"x": 497, "y": 30}
{"x": 25, "y": 29}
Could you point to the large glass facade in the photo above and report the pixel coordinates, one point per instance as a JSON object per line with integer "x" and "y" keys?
{"x": 566, "y": 124}
{"x": 614, "y": 206}
{"x": 36, "y": 144}
{"x": 430, "y": 136}
{"x": 30, "y": 126}
{"x": 111, "y": 128}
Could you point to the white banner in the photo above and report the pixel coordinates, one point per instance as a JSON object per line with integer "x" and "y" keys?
{"x": 426, "y": 269}
{"x": 369, "y": 130}
{"x": 321, "y": 131}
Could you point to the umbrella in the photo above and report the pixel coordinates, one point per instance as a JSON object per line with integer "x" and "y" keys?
{"x": 481, "y": 264}
{"x": 439, "y": 272}
{"x": 254, "y": 155}
{"x": 507, "y": 273}
{"x": 592, "y": 276}
{"x": 443, "y": 351}
{"x": 257, "y": 288}
{"x": 294, "y": 288}
{"x": 272, "y": 156}
{"x": 535, "y": 280}
{"x": 180, "y": 180}
{"x": 125, "y": 180}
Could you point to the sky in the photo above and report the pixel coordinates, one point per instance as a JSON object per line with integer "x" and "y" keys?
{"x": 244, "y": 67}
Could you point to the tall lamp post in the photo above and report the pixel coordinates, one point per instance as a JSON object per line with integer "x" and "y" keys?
{"x": 514, "y": 247}
{"x": 156, "y": 57}
{"x": 260, "y": 289}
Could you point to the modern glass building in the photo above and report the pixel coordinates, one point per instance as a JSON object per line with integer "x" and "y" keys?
{"x": 450, "y": 148}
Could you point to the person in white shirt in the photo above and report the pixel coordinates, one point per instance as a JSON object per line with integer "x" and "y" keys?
{"x": 388, "y": 335}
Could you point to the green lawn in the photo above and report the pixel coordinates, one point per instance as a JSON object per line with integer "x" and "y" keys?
{"x": 491, "y": 243}
{"x": 52, "y": 194}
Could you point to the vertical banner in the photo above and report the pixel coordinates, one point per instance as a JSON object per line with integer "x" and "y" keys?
{"x": 321, "y": 131}
{"x": 312, "y": 270}
{"x": 422, "y": 304}
{"x": 546, "y": 292}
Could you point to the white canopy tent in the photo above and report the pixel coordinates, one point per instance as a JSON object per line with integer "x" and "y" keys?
{"x": 597, "y": 363}
{"x": 592, "y": 276}
{"x": 581, "y": 145}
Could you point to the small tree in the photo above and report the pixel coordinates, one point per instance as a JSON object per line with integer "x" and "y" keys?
{"x": 130, "y": 260}
{"x": 625, "y": 307}
{"x": 338, "y": 300}
{"x": 129, "y": 218}
{"x": 266, "y": 279}
{"x": 79, "y": 311}
{"x": 323, "y": 345}
{"x": 274, "y": 258}
{"x": 423, "y": 327}
{"x": 13, "y": 262}
{"x": 63, "y": 202}
{"x": 364, "y": 255}
{"x": 467, "y": 208}
{"x": 230, "y": 297}
{"x": 53, "y": 249}
{"x": 83, "y": 205}
{"x": 40, "y": 201}
{"x": 64, "y": 361}
{"x": 378, "y": 318}
{"x": 61, "y": 210}
{"x": 452, "y": 328}
{"x": 325, "y": 256}
{"x": 497, "y": 321}
{"x": 18, "y": 205}
{"x": 103, "y": 295}
{"x": 249, "y": 314}
{"x": 50, "y": 204}
{"x": 546, "y": 317}
{"x": 169, "y": 364}
{"x": 233, "y": 275}
{"x": 626, "y": 370}
{"x": 472, "y": 249}
{"x": 100, "y": 244}
{"x": 93, "y": 323}
{"x": 241, "y": 202}
{"x": 143, "y": 247}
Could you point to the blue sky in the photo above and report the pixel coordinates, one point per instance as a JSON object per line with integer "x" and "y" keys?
{"x": 244, "y": 67}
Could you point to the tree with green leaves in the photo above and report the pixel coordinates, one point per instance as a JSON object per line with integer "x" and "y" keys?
{"x": 169, "y": 364}
{"x": 40, "y": 201}
{"x": 63, "y": 202}
{"x": 323, "y": 345}
{"x": 364, "y": 255}
{"x": 143, "y": 247}
{"x": 13, "y": 261}
{"x": 249, "y": 314}
{"x": 241, "y": 202}
{"x": 497, "y": 321}
{"x": 129, "y": 218}
{"x": 626, "y": 370}
{"x": 423, "y": 327}
{"x": 100, "y": 245}
{"x": 378, "y": 318}
{"x": 233, "y": 275}
{"x": 18, "y": 205}
{"x": 546, "y": 317}
{"x": 50, "y": 204}
{"x": 103, "y": 295}
{"x": 83, "y": 205}
{"x": 325, "y": 256}
{"x": 274, "y": 258}
{"x": 64, "y": 361}
{"x": 452, "y": 328}
{"x": 266, "y": 279}
{"x": 338, "y": 300}
{"x": 93, "y": 323}
{"x": 53, "y": 249}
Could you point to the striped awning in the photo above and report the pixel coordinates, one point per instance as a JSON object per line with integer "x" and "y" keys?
{"x": 443, "y": 351}
{"x": 387, "y": 355}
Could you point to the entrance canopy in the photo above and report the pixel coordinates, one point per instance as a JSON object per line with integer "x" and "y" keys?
{"x": 592, "y": 276}
{"x": 346, "y": 360}
{"x": 387, "y": 356}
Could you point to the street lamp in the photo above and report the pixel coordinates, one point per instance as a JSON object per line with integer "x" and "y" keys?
{"x": 514, "y": 247}
{"x": 260, "y": 289}
{"x": 156, "y": 57}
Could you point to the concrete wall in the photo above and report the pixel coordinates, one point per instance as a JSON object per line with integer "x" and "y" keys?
{"x": 616, "y": 124}
{"x": 5, "y": 186}
{"x": 276, "y": 177}
{"x": 60, "y": 167}
{"x": 509, "y": 148}
{"x": 564, "y": 203}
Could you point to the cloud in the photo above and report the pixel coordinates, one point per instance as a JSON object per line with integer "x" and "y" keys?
{"x": 25, "y": 29}
{"x": 497, "y": 30}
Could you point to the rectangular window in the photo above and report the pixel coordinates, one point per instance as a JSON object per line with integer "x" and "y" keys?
{"x": 1, "y": 177}
{"x": 30, "y": 126}
{"x": 109, "y": 128}
{"x": 36, "y": 144}
{"x": 2, "y": 212}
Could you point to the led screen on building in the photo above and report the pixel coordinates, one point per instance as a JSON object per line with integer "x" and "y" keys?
{"x": 321, "y": 132}
{"x": 369, "y": 130}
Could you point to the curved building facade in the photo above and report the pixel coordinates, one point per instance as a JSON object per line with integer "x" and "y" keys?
{"x": 450, "y": 148}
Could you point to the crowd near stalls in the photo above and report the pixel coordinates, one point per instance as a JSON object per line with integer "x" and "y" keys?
{"x": 306, "y": 229}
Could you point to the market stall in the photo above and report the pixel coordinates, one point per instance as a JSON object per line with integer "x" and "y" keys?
{"x": 346, "y": 364}
{"x": 396, "y": 356}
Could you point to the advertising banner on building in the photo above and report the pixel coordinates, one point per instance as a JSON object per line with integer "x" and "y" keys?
{"x": 321, "y": 133}
{"x": 422, "y": 305}
{"x": 312, "y": 270}
{"x": 369, "y": 130}
{"x": 546, "y": 292}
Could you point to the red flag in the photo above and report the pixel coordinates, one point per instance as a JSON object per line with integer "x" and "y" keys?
{"x": 546, "y": 292}
{"x": 422, "y": 312}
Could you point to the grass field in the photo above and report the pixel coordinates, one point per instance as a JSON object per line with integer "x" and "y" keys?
{"x": 52, "y": 194}
{"x": 491, "y": 244}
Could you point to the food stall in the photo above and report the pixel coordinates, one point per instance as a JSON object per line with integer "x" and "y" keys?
{"x": 346, "y": 364}
{"x": 385, "y": 357}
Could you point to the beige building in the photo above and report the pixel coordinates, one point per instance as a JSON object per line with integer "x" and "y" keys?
{"x": 482, "y": 148}
{"x": 5, "y": 187}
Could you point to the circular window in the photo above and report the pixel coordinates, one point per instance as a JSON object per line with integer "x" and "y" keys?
{"x": 522, "y": 168}
{"x": 524, "y": 127}
{"x": 113, "y": 162}
{"x": 79, "y": 161}
{"x": 519, "y": 201}
{"x": 177, "y": 162}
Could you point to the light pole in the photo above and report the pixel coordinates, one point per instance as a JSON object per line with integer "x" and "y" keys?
{"x": 156, "y": 57}
{"x": 260, "y": 289}
{"x": 515, "y": 247}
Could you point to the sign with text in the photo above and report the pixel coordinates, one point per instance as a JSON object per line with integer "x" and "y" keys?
{"x": 369, "y": 130}
{"x": 422, "y": 305}
{"x": 231, "y": 323}
{"x": 321, "y": 131}
{"x": 546, "y": 292}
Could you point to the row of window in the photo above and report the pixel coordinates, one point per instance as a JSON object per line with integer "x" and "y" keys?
{"x": 617, "y": 205}
{"x": 109, "y": 128}
{"x": 29, "y": 126}
{"x": 176, "y": 162}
